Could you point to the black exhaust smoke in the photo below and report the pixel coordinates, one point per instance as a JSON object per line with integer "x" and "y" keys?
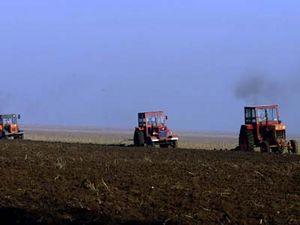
{"x": 258, "y": 89}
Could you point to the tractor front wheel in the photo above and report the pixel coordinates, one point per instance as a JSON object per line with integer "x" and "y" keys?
{"x": 139, "y": 139}
{"x": 265, "y": 147}
{"x": 294, "y": 146}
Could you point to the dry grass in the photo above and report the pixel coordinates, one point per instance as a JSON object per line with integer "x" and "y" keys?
{"x": 190, "y": 140}
{"x": 78, "y": 136}
{"x": 98, "y": 136}
{"x": 208, "y": 141}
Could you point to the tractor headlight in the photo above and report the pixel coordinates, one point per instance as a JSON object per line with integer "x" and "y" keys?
{"x": 280, "y": 127}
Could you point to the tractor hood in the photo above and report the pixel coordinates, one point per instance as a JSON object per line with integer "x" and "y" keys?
{"x": 280, "y": 127}
{"x": 275, "y": 126}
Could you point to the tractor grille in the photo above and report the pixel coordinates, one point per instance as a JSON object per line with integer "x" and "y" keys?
{"x": 280, "y": 134}
{"x": 162, "y": 134}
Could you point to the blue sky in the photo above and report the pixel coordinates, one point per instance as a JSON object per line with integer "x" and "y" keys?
{"x": 100, "y": 62}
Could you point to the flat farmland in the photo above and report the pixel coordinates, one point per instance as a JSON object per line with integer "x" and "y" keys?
{"x": 75, "y": 183}
{"x": 193, "y": 140}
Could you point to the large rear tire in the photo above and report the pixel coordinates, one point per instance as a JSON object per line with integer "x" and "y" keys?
{"x": 246, "y": 140}
{"x": 265, "y": 147}
{"x": 294, "y": 146}
{"x": 138, "y": 139}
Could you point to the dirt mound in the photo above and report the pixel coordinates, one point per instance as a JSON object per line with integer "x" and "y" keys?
{"x": 61, "y": 183}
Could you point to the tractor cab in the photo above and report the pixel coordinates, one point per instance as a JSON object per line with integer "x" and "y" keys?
{"x": 152, "y": 129}
{"x": 265, "y": 123}
{"x": 9, "y": 127}
{"x": 264, "y": 129}
{"x": 153, "y": 122}
{"x": 262, "y": 114}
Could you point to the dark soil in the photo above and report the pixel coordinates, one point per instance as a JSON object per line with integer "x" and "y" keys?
{"x": 60, "y": 183}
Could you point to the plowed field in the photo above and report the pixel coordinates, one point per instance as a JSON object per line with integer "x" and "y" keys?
{"x": 61, "y": 183}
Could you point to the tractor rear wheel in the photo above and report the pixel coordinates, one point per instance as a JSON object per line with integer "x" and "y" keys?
{"x": 139, "y": 139}
{"x": 294, "y": 146}
{"x": 265, "y": 147}
{"x": 246, "y": 140}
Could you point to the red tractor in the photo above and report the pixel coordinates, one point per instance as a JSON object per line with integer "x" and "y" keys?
{"x": 264, "y": 129}
{"x": 9, "y": 128}
{"x": 152, "y": 130}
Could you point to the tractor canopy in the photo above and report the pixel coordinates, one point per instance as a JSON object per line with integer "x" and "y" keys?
{"x": 155, "y": 119}
{"x": 262, "y": 114}
{"x": 9, "y": 119}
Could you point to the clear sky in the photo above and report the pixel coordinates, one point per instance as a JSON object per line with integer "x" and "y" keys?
{"x": 99, "y": 62}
